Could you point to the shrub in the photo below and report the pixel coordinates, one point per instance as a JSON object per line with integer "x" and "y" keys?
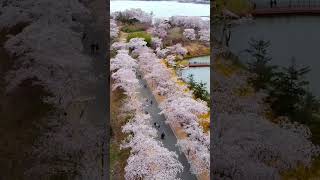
{"x": 146, "y": 36}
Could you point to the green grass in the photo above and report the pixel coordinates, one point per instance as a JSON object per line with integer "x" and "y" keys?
{"x": 129, "y": 28}
{"x": 140, "y": 34}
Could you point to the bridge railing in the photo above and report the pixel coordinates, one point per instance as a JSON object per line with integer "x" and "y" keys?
{"x": 287, "y": 4}
{"x": 199, "y": 63}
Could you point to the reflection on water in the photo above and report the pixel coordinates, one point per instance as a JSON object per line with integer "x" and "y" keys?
{"x": 199, "y": 73}
{"x": 163, "y": 8}
{"x": 290, "y": 37}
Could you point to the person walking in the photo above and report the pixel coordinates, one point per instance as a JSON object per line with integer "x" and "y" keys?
{"x": 162, "y": 135}
{"x": 151, "y": 102}
{"x": 81, "y": 114}
{"x": 97, "y": 47}
{"x": 84, "y": 35}
{"x": 92, "y": 48}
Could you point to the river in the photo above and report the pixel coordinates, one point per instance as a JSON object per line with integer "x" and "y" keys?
{"x": 200, "y": 74}
{"x": 294, "y": 36}
{"x": 163, "y": 9}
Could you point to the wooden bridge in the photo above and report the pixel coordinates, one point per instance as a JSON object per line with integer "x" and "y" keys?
{"x": 199, "y": 65}
{"x": 289, "y": 7}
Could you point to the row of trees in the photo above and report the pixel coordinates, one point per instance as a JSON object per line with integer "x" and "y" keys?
{"x": 194, "y": 27}
{"x": 49, "y": 53}
{"x": 179, "y": 108}
{"x": 132, "y": 16}
{"x": 114, "y": 30}
{"x": 148, "y": 158}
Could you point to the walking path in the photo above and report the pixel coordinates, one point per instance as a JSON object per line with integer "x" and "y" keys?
{"x": 179, "y": 132}
{"x": 170, "y": 139}
{"x": 93, "y": 106}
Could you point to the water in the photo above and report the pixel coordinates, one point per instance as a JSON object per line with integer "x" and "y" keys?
{"x": 200, "y": 74}
{"x": 163, "y": 9}
{"x": 290, "y": 37}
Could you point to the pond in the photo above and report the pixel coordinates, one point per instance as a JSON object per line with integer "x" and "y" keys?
{"x": 295, "y": 36}
{"x": 200, "y": 74}
{"x": 163, "y": 9}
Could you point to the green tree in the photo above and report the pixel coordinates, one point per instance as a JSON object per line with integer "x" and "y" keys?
{"x": 258, "y": 65}
{"x": 288, "y": 94}
{"x": 199, "y": 89}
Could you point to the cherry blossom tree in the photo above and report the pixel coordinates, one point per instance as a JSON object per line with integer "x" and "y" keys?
{"x": 162, "y": 53}
{"x": 261, "y": 149}
{"x": 160, "y": 32}
{"x": 149, "y": 159}
{"x": 161, "y": 23}
{"x": 178, "y": 107}
{"x": 178, "y": 49}
{"x": 171, "y": 60}
{"x": 48, "y": 51}
{"x": 126, "y": 80}
{"x": 193, "y": 22}
{"x": 134, "y": 14}
{"x": 122, "y": 60}
{"x": 56, "y": 62}
{"x": 189, "y": 34}
{"x": 204, "y": 35}
{"x": 136, "y": 43}
{"x": 156, "y": 42}
{"x": 119, "y": 45}
{"x": 114, "y": 30}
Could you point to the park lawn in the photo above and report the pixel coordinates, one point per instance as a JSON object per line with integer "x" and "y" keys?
{"x": 129, "y": 28}
{"x": 197, "y": 49}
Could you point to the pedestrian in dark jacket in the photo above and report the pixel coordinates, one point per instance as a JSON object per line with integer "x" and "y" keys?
{"x": 84, "y": 35}
{"x": 97, "y": 47}
{"x": 162, "y": 135}
{"x": 92, "y": 48}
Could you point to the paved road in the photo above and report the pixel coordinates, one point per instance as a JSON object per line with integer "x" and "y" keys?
{"x": 170, "y": 140}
